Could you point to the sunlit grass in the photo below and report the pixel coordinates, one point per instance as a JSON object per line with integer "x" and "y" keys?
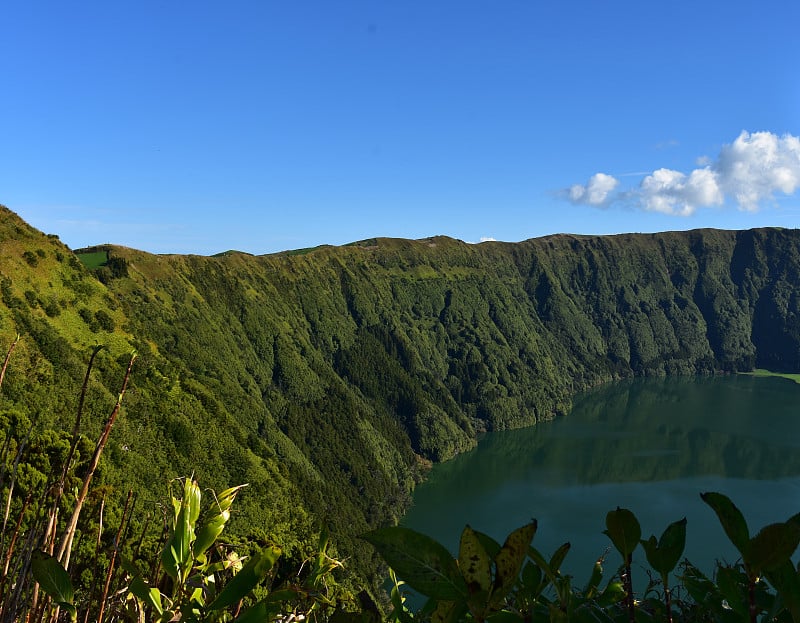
{"x": 784, "y": 375}
{"x": 92, "y": 260}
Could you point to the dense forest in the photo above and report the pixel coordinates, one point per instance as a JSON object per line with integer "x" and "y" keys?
{"x": 330, "y": 378}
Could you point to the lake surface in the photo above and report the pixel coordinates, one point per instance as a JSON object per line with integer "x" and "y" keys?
{"x": 649, "y": 445}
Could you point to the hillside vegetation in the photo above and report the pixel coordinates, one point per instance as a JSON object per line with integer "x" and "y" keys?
{"x": 329, "y": 379}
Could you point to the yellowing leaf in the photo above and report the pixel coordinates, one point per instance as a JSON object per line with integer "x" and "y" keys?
{"x": 474, "y": 562}
{"x": 510, "y": 558}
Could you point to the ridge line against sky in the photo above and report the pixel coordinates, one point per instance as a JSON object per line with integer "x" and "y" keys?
{"x": 266, "y": 126}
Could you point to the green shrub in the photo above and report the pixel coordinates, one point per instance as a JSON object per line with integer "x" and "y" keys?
{"x": 31, "y": 258}
{"x": 105, "y": 321}
{"x": 52, "y": 308}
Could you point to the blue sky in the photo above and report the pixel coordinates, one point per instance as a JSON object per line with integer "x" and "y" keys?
{"x": 263, "y": 126}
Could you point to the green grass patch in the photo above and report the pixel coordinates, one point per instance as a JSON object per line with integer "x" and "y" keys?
{"x": 93, "y": 259}
{"x": 783, "y": 375}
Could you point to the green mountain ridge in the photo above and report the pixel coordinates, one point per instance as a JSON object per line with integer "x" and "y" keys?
{"x": 329, "y": 378}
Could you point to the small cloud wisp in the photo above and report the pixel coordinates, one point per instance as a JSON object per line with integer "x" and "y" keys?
{"x": 750, "y": 170}
{"x": 596, "y": 192}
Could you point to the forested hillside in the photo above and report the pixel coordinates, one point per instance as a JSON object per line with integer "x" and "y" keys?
{"x": 329, "y": 378}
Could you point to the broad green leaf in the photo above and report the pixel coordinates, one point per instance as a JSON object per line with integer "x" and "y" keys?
{"x": 209, "y": 532}
{"x": 732, "y": 521}
{"x": 149, "y": 596}
{"x": 322, "y": 542}
{"x": 785, "y": 579}
{"x": 773, "y": 545}
{"x": 535, "y": 555}
{"x": 624, "y": 530}
{"x": 323, "y": 564}
{"x": 474, "y": 562}
{"x": 170, "y": 560}
{"x": 590, "y": 590}
{"x": 225, "y": 499}
{"x": 511, "y": 556}
{"x": 253, "y": 572}
{"x": 423, "y": 563}
{"x": 563, "y": 588}
{"x": 732, "y": 586}
{"x": 707, "y": 593}
{"x": 672, "y": 543}
{"x": 652, "y": 552}
{"x": 192, "y": 496}
{"x": 700, "y": 588}
{"x": 491, "y": 546}
{"x": 664, "y": 555}
{"x": 531, "y": 578}
{"x": 613, "y": 593}
{"x": 52, "y": 578}
{"x": 176, "y": 554}
{"x": 197, "y": 598}
{"x": 557, "y": 559}
{"x": 399, "y": 610}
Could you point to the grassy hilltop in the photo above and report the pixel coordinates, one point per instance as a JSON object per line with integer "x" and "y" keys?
{"x": 329, "y": 378}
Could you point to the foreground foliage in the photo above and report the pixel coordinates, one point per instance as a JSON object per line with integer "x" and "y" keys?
{"x": 198, "y": 577}
{"x": 203, "y": 580}
{"x": 515, "y": 582}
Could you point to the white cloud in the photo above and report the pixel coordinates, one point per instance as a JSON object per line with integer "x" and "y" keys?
{"x": 488, "y": 239}
{"x": 596, "y": 191}
{"x": 750, "y": 171}
{"x": 672, "y": 192}
{"x": 755, "y": 166}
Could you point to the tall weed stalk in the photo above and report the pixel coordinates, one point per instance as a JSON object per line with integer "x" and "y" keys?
{"x": 28, "y": 538}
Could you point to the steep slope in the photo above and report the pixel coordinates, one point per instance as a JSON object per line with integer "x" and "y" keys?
{"x": 447, "y": 339}
{"x": 328, "y": 378}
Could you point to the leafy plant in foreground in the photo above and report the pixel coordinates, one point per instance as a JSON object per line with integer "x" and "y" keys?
{"x": 663, "y": 556}
{"x": 547, "y": 594}
{"x": 766, "y": 554}
{"x": 203, "y": 580}
{"x": 624, "y": 530}
{"x": 479, "y": 585}
{"x": 196, "y": 577}
{"x": 478, "y": 582}
{"x": 488, "y": 582}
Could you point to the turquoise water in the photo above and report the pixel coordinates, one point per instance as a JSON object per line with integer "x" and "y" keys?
{"x": 650, "y": 445}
